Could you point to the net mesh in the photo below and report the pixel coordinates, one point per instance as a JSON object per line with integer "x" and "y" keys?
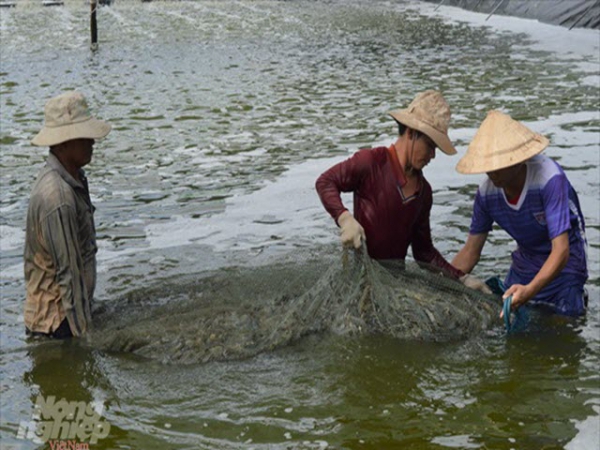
{"x": 239, "y": 312}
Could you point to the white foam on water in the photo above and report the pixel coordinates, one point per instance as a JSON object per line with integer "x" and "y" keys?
{"x": 592, "y": 80}
{"x": 458, "y": 441}
{"x": 567, "y": 118}
{"x": 131, "y": 25}
{"x": 11, "y": 273}
{"x": 11, "y": 238}
{"x": 588, "y": 435}
{"x": 287, "y": 209}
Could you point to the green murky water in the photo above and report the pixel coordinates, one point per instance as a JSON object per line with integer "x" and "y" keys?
{"x": 224, "y": 114}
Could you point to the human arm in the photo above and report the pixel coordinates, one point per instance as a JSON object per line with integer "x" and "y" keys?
{"x": 346, "y": 176}
{"x": 468, "y": 256}
{"x": 59, "y": 233}
{"x": 557, "y": 260}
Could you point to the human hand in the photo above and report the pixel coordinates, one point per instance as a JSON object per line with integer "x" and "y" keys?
{"x": 351, "y": 232}
{"x": 520, "y": 295}
{"x": 473, "y": 282}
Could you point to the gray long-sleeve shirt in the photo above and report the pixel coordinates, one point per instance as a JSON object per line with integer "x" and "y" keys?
{"x": 60, "y": 252}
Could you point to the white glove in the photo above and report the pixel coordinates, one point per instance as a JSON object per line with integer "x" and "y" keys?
{"x": 475, "y": 283}
{"x": 351, "y": 232}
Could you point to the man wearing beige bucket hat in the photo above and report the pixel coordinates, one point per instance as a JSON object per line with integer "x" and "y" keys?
{"x": 529, "y": 196}
{"x": 60, "y": 240}
{"x": 392, "y": 198}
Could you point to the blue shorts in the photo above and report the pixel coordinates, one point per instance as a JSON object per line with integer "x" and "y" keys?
{"x": 564, "y": 295}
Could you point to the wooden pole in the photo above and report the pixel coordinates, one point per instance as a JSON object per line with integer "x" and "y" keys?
{"x": 93, "y": 24}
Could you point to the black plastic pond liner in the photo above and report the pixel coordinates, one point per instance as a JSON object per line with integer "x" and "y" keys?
{"x": 570, "y": 13}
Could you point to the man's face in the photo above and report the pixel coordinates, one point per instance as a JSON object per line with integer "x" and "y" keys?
{"x": 504, "y": 177}
{"x": 423, "y": 152}
{"x": 79, "y": 151}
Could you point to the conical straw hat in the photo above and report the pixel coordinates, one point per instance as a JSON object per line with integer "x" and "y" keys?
{"x": 500, "y": 142}
{"x": 430, "y": 114}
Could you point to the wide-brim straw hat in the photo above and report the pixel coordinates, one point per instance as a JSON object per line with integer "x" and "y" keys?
{"x": 67, "y": 117}
{"x": 500, "y": 142}
{"x": 430, "y": 114}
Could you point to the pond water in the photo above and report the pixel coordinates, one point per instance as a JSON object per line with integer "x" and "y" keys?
{"x": 224, "y": 114}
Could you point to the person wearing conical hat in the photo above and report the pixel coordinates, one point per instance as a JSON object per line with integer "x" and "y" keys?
{"x": 60, "y": 238}
{"x": 392, "y": 198}
{"x": 529, "y": 196}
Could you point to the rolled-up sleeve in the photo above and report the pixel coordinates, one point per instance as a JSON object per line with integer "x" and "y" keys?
{"x": 59, "y": 232}
{"x": 343, "y": 177}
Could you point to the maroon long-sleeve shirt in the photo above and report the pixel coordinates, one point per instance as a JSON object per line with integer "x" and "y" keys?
{"x": 391, "y": 222}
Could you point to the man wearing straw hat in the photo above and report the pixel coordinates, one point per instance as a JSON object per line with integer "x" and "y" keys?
{"x": 60, "y": 240}
{"x": 392, "y": 198}
{"x": 530, "y": 197}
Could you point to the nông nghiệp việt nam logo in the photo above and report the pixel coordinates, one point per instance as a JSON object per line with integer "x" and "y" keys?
{"x": 65, "y": 424}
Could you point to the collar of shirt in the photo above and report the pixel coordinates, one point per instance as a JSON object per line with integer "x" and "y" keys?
{"x": 55, "y": 164}
{"x": 398, "y": 171}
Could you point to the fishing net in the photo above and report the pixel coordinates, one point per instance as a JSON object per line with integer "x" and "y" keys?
{"x": 239, "y": 312}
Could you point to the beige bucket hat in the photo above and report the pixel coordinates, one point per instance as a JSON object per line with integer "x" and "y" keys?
{"x": 500, "y": 142}
{"x": 67, "y": 117}
{"x": 430, "y": 114}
